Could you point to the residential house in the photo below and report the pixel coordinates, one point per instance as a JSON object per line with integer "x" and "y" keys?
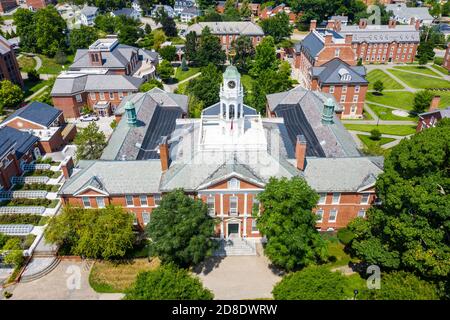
{"x": 88, "y": 15}
{"x": 405, "y": 15}
{"x": 127, "y": 12}
{"x": 343, "y": 19}
{"x": 228, "y": 31}
{"x": 226, "y": 157}
{"x": 7, "y": 5}
{"x": 189, "y": 14}
{"x": 38, "y": 4}
{"x": 167, "y": 9}
{"x": 433, "y": 115}
{"x": 180, "y": 5}
{"x": 269, "y": 12}
{"x": 9, "y": 68}
{"x": 254, "y": 7}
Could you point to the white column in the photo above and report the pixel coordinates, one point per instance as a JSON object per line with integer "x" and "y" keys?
{"x": 245, "y": 215}
{"x": 221, "y": 228}
{"x": 221, "y": 204}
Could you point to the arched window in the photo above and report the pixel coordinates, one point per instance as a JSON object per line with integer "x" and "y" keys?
{"x": 233, "y": 184}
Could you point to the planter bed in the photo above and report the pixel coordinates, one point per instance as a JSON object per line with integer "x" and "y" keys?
{"x": 46, "y": 173}
{"x": 20, "y": 219}
{"x": 25, "y": 241}
{"x": 27, "y": 202}
{"x": 36, "y": 186}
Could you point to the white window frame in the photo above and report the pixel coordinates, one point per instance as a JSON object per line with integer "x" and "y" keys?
{"x": 343, "y": 97}
{"x": 211, "y": 201}
{"x": 338, "y": 194}
{"x": 357, "y": 88}
{"x": 78, "y": 98}
{"x": 234, "y": 184}
{"x": 157, "y": 199}
{"x": 355, "y": 98}
{"x": 86, "y": 200}
{"x": 145, "y": 202}
{"x": 331, "y": 89}
{"x": 93, "y": 96}
{"x": 234, "y": 200}
{"x": 254, "y": 227}
{"x": 319, "y": 213}
{"x": 323, "y": 198}
{"x": 337, "y": 52}
{"x": 127, "y": 198}
{"x": 146, "y": 220}
{"x": 335, "y": 215}
{"x": 344, "y": 89}
{"x": 100, "y": 202}
{"x": 102, "y": 96}
{"x": 363, "y": 215}
{"x": 363, "y": 197}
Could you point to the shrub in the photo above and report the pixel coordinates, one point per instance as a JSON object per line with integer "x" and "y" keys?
{"x": 439, "y": 61}
{"x": 20, "y": 219}
{"x": 168, "y": 282}
{"x": 26, "y": 202}
{"x": 3, "y": 239}
{"x": 311, "y": 283}
{"x": 36, "y": 186}
{"x": 14, "y": 257}
{"x": 113, "y": 124}
{"x": 345, "y": 236}
{"x": 378, "y": 86}
{"x": 33, "y": 76}
{"x": 375, "y": 134}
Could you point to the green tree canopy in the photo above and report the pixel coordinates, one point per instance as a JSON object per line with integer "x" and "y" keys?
{"x": 290, "y": 225}
{"x": 378, "y": 86}
{"x": 191, "y": 46}
{"x": 168, "y": 53}
{"x": 206, "y": 87}
{"x": 168, "y": 283}
{"x": 311, "y": 283}
{"x": 277, "y": 26}
{"x": 265, "y": 58}
{"x": 165, "y": 70}
{"x": 10, "y": 95}
{"x": 422, "y": 100}
{"x": 94, "y": 233}
{"x": 82, "y": 38}
{"x": 181, "y": 230}
{"x": 245, "y": 52}
{"x": 209, "y": 49}
{"x": 90, "y": 142}
{"x": 409, "y": 231}
{"x": 153, "y": 83}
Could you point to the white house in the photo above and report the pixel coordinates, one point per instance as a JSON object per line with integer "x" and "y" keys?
{"x": 128, "y": 12}
{"x": 87, "y": 15}
{"x": 167, "y": 9}
{"x": 180, "y": 5}
{"x": 189, "y": 13}
{"x": 404, "y": 14}
{"x": 136, "y": 6}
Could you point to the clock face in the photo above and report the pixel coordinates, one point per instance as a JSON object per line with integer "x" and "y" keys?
{"x": 231, "y": 84}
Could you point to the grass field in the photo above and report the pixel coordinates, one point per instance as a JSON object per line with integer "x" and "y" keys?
{"x": 371, "y": 143}
{"x": 418, "y": 69}
{"x": 180, "y": 75}
{"x": 399, "y": 130}
{"x": 49, "y": 65}
{"x": 110, "y": 277}
{"x": 26, "y": 63}
{"x": 419, "y": 81}
{"x": 388, "y": 82}
{"x": 398, "y": 99}
{"x": 386, "y": 113}
{"x": 445, "y": 98}
{"x": 439, "y": 68}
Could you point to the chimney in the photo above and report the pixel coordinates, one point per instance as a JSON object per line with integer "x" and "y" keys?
{"x": 67, "y": 167}
{"x": 164, "y": 153}
{"x": 392, "y": 23}
{"x": 412, "y": 21}
{"x": 330, "y": 24}
{"x": 328, "y": 38}
{"x": 417, "y": 23}
{"x": 95, "y": 58}
{"x": 312, "y": 25}
{"x": 300, "y": 152}
{"x": 434, "y": 105}
{"x": 362, "y": 23}
{"x": 337, "y": 25}
{"x": 348, "y": 38}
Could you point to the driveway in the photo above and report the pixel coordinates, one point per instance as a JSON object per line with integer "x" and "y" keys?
{"x": 238, "y": 277}
{"x": 68, "y": 281}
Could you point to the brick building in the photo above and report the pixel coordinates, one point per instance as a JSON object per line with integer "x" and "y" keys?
{"x": 269, "y": 12}
{"x": 38, "y": 4}
{"x": 9, "y": 68}
{"x": 7, "y": 5}
{"x": 44, "y": 122}
{"x": 433, "y": 115}
{"x": 446, "y": 62}
{"x": 228, "y": 31}
{"x": 254, "y": 7}
{"x": 226, "y": 157}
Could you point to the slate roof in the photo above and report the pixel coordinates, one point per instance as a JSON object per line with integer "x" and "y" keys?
{"x": 124, "y": 12}
{"x": 301, "y": 110}
{"x": 115, "y": 177}
{"x": 401, "y": 11}
{"x": 3, "y": 47}
{"x": 24, "y": 141}
{"x": 312, "y": 44}
{"x": 156, "y": 112}
{"x": 329, "y": 73}
{"x": 236, "y": 27}
{"x": 89, "y": 11}
{"x": 71, "y": 84}
{"x": 37, "y": 112}
{"x": 382, "y": 33}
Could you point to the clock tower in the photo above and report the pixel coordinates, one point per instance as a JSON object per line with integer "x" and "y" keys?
{"x": 232, "y": 101}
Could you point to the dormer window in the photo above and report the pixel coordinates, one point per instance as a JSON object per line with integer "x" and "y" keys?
{"x": 233, "y": 184}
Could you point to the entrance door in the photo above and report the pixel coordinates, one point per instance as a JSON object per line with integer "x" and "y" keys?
{"x": 233, "y": 229}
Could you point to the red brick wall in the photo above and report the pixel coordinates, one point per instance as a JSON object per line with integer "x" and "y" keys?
{"x": 12, "y": 73}
{"x": 69, "y": 105}
{"x": 383, "y": 52}
{"x": 348, "y": 104}
{"x": 55, "y": 143}
{"x": 6, "y": 5}
{"x": 11, "y": 171}
{"x": 38, "y": 4}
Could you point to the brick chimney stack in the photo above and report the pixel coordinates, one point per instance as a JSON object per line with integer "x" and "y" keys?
{"x": 331, "y": 24}
{"x": 417, "y": 23}
{"x": 362, "y": 23}
{"x": 337, "y": 25}
{"x": 67, "y": 167}
{"x": 300, "y": 152}
{"x": 328, "y": 38}
{"x": 434, "y": 105}
{"x": 312, "y": 25}
{"x": 164, "y": 154}
{"x": 392, "y": 23}
{"x": 348, "y": 38}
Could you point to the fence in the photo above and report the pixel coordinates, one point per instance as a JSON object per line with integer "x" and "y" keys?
{"x": 29, "y": 180}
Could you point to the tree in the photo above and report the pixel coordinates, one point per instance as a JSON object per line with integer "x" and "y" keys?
{"x": 375, "y": 134}
{"x": 206, "y": 87}
{"x": 265, "y": 58}
{"x": 400, "y": 285}
{"x": 423, "y": 59}
{"x": 245, "y": 11}
{"x": 290, "y": 225}
{"x": 147, "y": 29}
{"x": 94, "y": 233}
{"x": 159, "y": 38}
{"x": 244, "y": 51}
{"x": 422, "y": 100}
{"x": 181, "y": 230}
{"x": 105, "y": 23}
{"x": 409, "y": 230}
{"x": 191, "y": 46}
{"x": 153, "y": 83}
{"x": 10, "y": 94}
{"x": 378, "y": 86}
{"x": 129, "y": 34}
{"x": 168, "y": 53}
{"x": 82, "y": 37}
{"x": 90, "y": 142}
{"x": 195, "y": 107}
{"x": 60, "y": 57}
{"x": 168, "y": 283}
{"x": 168, "y": 24}
{"x": 165, "y": 70}
{"x": 311, "y": 283}
{"x": 184, "y": 65}
{"x": 24, "y": 22}
{"x": 210, "y": 49}
{"x": 277, "y": 26}
{"x": 50, "y": 30}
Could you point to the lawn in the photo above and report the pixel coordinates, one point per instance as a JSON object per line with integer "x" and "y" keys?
{"x": 181, "y": 89}
{"x": 439, "y": 68}
{"x": 49, "y": 65}
{"x": 399, "y": 130}
{"x": 372, "y": 143}
{"x": 418, "y": 69}
{"x": 386, "y": 113}
{"x": 398, "y": 99}
{"x": 26, "y": 63}
{"x": 32, "y": 87}
{"x": 110, "y": 277}
{"x": 420, "y": 81}
{"x": 445, "y": 98}
{"x": 388, "y": 82}
{"x": 180, "y": 75}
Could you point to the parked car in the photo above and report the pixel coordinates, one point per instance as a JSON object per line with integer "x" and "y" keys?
{"x": 88, "y": 117}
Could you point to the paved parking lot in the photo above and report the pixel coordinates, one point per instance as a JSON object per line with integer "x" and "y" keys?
{"x": 239, "y": 277}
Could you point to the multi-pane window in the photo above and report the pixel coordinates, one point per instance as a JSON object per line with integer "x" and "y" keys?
{"x": 233, "y": 205}
{"x": 323, "y": 198}
{"x": 344, "y": 89}
{"x": 111, "y": 95}
{"x": 210, "y": 201}
{"x": 93, "y": 96}
{"x": 143, "y": 200}
{"x": 336, "y": 197}
{"x": 78, "y": 98}
{"x": 319, "y": 214}
{"x": 365, "y": 198}
{"x": 145, "y": 217}
{"x": 337, "y": 52}
{"x": 333, "y": 215}
{"x": 331, "y": 89}
{"x": 86, "y": 202}
{"x": 129, "y": 200}
{"x": 102, "y": 96}
{"x": 157, "y": 199}
{"x": 355, "y": 98}
{"x": 357, "y": 88}
{"x": 233, "y": 184}
{"x": 343, "y": 98}
{"x": 100, "y": 202}
{"x": 254, "y": 228}
{"x": 362, "y": 213}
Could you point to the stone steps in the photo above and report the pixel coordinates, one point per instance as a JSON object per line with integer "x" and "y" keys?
{"x": 41, "y": 273}
{"x": 235, "y": 247}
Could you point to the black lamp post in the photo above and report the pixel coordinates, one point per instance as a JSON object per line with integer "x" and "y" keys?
{"x": 355, "y": 293}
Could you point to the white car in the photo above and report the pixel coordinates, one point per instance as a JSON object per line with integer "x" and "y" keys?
{"x": 89, "y": 117}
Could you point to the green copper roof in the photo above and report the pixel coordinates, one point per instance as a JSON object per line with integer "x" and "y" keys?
{"x": 129, "y": 105}
{"x": 231, "y": 73}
